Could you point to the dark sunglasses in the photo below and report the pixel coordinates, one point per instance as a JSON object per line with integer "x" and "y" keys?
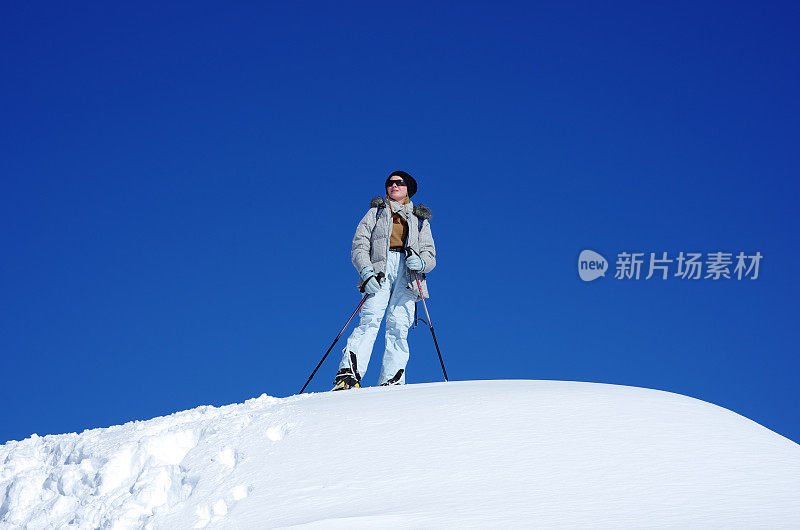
{"x": 401, "y": 183}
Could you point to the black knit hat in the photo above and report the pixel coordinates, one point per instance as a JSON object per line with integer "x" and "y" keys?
{"x": 411, "y": 184}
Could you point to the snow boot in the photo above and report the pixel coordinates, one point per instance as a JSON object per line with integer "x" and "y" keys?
{"x": 345, "y": 380}
{"x": 395, "y": 380}
{"x": 348, "y": 377}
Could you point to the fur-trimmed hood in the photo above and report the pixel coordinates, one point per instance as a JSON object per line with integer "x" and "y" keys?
{"x": 420, "y": 210}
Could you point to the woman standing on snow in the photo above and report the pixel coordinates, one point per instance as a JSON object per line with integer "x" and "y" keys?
{"x": 392, "y": 248}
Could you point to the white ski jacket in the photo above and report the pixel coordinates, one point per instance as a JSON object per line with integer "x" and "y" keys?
{"x": 371, "y": 241}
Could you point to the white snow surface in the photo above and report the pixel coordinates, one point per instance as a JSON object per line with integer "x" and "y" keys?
{"x": 473, "y": 454}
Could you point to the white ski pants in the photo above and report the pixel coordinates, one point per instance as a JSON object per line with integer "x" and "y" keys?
{"x": 399, "y": 317}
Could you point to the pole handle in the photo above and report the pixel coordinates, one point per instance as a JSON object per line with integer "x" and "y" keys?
{"x": 378, "y": 277}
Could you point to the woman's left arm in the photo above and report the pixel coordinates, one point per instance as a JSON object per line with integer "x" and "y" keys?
{"x": 427, "y": 250}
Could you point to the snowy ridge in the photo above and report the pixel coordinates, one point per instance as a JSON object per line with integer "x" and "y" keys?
{"x": 466, "y": 454}
{"x": 122, "y": 476}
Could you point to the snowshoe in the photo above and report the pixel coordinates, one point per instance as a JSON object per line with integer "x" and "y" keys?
{"x": 344, "y": 385}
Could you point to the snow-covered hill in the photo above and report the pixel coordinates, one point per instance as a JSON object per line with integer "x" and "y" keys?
{"x": 459, "y": 454}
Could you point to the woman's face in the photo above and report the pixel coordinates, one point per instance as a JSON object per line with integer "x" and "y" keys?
{"x": 397, "y": 192}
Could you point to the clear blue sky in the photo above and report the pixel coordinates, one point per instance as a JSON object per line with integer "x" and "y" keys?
{"x": 180, "y": 185}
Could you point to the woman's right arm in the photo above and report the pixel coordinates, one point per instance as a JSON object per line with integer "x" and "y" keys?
{"x": 360, "y": 253}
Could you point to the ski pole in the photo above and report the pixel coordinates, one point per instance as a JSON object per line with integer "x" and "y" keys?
{"x": 363, "y": 299}
{"x": 430, "y": 322}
